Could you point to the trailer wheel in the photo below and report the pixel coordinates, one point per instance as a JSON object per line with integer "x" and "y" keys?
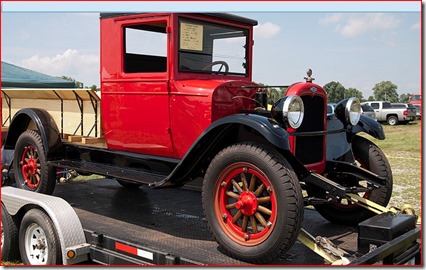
{"x": 38, "y": 240}
{"x": 252, "y": 202}
{"x": 9, "y": 237}
{"x": 370, "y": 157}
{"x": 30, "y": 165}
{"x": 392, "y": 120}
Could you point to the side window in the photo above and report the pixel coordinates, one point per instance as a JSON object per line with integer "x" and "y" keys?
{"x": 375, "y": 105}
{"x": 386, "y": 105}
{"x": 145, "y": 48}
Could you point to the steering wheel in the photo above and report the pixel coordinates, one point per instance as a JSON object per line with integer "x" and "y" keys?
{"x": 222, "y": 63}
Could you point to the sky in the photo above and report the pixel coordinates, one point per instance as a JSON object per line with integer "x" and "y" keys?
{"x": 357, "y": 49}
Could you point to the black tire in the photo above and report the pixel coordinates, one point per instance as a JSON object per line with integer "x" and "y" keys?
{"x": 392, "y": 120}
{"x": 130, "y": 185}
{"x": 244, "y": 236}
{"x": 9, "y": 237}
{"x": 371, "y": 158}
{"x": 38, "y": 241}
{"x": 30, "y": 165}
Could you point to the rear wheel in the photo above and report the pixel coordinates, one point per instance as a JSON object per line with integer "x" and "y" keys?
{"x": 30, "y": 165}
{"x": 392, "y": 120}
{"x": 252, "y": 202}
{"x": 38, "y": 240}
{"x": 370, "y": 157}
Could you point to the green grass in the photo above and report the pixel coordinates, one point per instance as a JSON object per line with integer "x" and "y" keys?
{"x": 402, "y": 147}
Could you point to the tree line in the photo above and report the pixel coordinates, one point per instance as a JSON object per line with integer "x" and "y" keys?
{"x": 385, "y": 90}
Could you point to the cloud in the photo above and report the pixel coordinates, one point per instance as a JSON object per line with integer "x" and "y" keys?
{"x": 266, "y": 30}
{"x": 416, "y": 26}
{"x": 82, "y": 67}
{"x": 352, "y": 25}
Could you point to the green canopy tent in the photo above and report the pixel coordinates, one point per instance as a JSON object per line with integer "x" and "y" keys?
{"x": 18, "y": 77}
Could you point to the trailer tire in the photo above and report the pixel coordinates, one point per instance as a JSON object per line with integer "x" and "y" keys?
{"x": 30, "y": 165}
{"x": 9, "y": 237}
{"x": 371, "y": 158}
{"x": 269, "y": 201}
{"x": 38, "y": 240}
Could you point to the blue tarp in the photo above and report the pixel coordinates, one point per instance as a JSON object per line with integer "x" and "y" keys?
{"x": 18, "y": 77}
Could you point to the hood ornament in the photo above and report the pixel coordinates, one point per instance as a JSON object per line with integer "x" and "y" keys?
{"x": 309, "y": 78}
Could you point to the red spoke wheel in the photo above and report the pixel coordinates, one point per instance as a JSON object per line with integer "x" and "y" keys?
{"x": 252, "y": 202}
{"x": 30, "y": 166}
{"x": 369, "y": 157}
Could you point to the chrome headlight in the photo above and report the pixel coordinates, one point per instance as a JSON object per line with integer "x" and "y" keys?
{"x": 289, "y": 111}
{"x": 348, "y": 111}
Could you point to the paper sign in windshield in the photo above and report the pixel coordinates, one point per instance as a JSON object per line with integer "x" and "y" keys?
{"x": 191, "y": 37}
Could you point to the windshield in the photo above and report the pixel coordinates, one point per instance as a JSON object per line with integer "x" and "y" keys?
{"x": 212, "y": 48}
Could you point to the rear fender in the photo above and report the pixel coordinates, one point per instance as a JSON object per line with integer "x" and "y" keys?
{"x": 44, "y": 124}
{"x": 220, "y": 134}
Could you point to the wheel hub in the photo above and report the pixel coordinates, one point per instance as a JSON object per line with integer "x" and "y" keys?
{"x": 30, "y": 167}
{"x": 247, "y": 203}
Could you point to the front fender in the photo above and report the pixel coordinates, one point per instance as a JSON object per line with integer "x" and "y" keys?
{"x": 220, "y": 134}
{"x": 370, "y": 126}
{"x": 44, "y": 123}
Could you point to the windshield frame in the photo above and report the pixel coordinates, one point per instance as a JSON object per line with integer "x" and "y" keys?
{"x": 201, "y": 49}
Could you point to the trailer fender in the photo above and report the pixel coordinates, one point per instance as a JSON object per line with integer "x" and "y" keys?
{"x": 44, "y": 124}
{"x": 370, "y": 126}
{"x": 67, "y": 224}
{"x": 223, "y": 133}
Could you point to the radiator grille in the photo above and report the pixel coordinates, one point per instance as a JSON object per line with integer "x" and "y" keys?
{"x": 310, "y": 149}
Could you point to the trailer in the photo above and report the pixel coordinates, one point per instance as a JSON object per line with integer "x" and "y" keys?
{"x": 187, "y": 110}
{"x": 95, "y": 222}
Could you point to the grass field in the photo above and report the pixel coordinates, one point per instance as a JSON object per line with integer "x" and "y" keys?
{"x": 402, "y": 147}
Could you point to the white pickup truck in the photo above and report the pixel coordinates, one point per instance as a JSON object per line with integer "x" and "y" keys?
{"x": 393, "y": 113}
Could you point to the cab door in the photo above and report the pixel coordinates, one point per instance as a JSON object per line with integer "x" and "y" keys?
{"x": 135, "y": 103}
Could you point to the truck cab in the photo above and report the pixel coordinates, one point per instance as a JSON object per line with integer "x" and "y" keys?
{"x": 166, "y": 77}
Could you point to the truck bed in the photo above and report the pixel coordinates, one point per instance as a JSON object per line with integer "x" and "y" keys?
{"x": 172, "y": 221}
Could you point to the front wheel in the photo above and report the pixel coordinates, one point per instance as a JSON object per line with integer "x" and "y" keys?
{"x": 252, "y": 202}
{"x": 38, "y": 240}
{"x": 370, "y": 157}
{"x": 30, "y": 165}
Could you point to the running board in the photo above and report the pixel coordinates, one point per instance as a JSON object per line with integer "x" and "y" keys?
{"x": 122, "y": 173}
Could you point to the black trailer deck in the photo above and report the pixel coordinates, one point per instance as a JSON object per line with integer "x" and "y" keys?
{"x": 172, "y": 221}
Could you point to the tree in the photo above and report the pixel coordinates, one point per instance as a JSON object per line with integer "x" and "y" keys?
{"x": 335, "y": 92}
{"x": 385, "y": 90}
{"x": 77, "y": 83}
{"x": 370, "y": 98}
{"x": 404, "y": 98}
{"x": 353, "y": 92}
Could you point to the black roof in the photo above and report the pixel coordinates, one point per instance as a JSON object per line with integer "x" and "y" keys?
{"x": 217, "y": 15}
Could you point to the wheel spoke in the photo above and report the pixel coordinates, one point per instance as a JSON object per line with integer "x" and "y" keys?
{"x": 232, "y": 195}
{"x": 244, "y": 180}
{"x": 236, "y": 186}
{"x": 263, "y": 200}
{"x": 245, "y": 223}
{"x": 230, "y": 206}
{"x": 259, "y": 190}
{"x": 237, "y": 216}
{"x": 252, "y": 183}
{"x": 253, "y": 224}
{"x": 260, "y": 219}
{"x": 264, "y": 210}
